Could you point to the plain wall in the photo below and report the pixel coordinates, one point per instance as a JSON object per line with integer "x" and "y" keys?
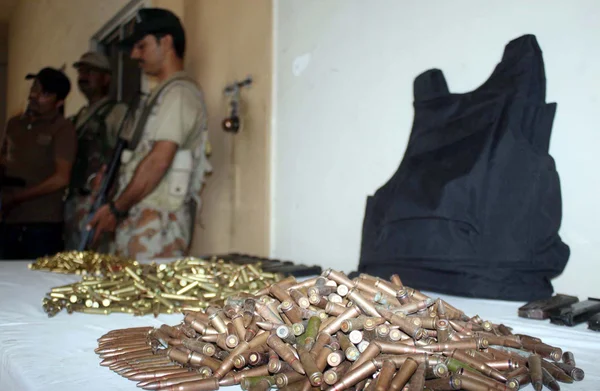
{"x": 52, "y": 33}
{"x": 343, "y": 74}
{"x": 226, "y": 41}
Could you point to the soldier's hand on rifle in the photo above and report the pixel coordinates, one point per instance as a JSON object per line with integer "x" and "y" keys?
{"x": 103, "y": 221}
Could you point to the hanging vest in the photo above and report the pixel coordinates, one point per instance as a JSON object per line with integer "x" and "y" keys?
{"x": 475, "y": 207}
{"x": 184, "y": 178}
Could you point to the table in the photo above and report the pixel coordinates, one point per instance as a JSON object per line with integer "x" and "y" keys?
{"x": 41, "y": 353}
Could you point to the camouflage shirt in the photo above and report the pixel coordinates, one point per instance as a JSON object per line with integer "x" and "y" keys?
{"x": 97, "y": 126}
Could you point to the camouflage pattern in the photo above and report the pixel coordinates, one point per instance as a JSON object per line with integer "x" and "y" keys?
{"x": 97, "y": 129}
{"x": 77, "y": 209}
{"x": 154, "y": 228}
{"x": 149, "y": 233}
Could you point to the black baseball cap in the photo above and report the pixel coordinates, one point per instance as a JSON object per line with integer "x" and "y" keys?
{"x": 153, "y": 21}
{"x": 52, "y": 81}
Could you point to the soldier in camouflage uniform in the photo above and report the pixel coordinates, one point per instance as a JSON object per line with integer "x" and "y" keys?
{"x": 97, "y": 125}
{"x": 162, "y": 173}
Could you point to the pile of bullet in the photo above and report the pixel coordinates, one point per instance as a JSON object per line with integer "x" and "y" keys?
{"x": 141, "y": 289}
{"x": 82, "y": 262}
{"x": 333, "y": 333}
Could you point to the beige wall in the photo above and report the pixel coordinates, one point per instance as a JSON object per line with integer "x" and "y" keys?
{"x": 52, "y": 33}
{"x": 227, "y": 40}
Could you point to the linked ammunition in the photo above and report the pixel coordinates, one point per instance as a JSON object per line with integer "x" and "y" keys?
{"x": 373, "y": 336}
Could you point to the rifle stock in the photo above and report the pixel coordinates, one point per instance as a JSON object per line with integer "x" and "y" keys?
{"x": 103, "y": 194}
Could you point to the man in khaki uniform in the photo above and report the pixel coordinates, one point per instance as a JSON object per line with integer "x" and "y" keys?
{"x": 161, "y": 176}
{"x": 39, "y": 148}
{"x": 97, "y": 125}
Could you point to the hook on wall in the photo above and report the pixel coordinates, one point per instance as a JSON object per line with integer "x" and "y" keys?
{"x": 232, "y": 123}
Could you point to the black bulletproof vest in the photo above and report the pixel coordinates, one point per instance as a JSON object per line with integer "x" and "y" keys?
{"x": 475, "y": 207}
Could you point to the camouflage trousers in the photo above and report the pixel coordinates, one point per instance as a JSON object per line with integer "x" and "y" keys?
{"x": 77, "y": 208}
{"x": 151, "y": 233}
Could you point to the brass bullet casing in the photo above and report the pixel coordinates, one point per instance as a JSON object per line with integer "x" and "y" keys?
{"x": 415, "y": 306}
{"x": 478, "y": 365}
{"x": 385, "y": 376}
{"x": 407, "y": 369}
{"x": 402, "y": 296}
{"x": 241, "y": 360}
{"x": 199, "y": 360}
{"x": 331, "y": 376}
{"x": 238, "y": 323}
{"x": 336, "y": 358}
{"x": 443, "y": 330}
{"x": 398, "y": 348}
{"x": 339, "y": 277}
{"x": 204, "y": 348}
{"x": 545, "y": 351}
{"x": 227, "y": 364}
{"x": 286, "y": 333}
{"x": 355, "y": 336}
{"x": 404, "y": 323}
{"x": 417, "y": 381}
{"x": 252, "y": 329}
{"x": 569, "y": 359}
{"x": 323, "y": 339}
{"x": 334, "y": 326}
{"x": 504, "y": 330}
{"x": 248, "y": 311}
{"x": 291, "y": 310}
{"x": 258, "y": 358}
{"x": 549, "y": 381}
{"x": 286, "y": 378}
{"x": 444, "y": 384}
{"x": 576, "y": 373}
{"x": 487, "y": 381}
{"x": 300, "y": 298}
{"x": 334, "y": 309}
{"x": 286, "y": 352}
{"x": 280, "y": 293}
{"x": 470, "y": 384}
{"x": 352, "y": 377}
{"x": 236, "y": 377}
{"x": 382, "y": 331}
{"x": 299, "y": 328}
{"x": 210, "y": 384}
{"x": 534, "y": 362}
{"x": 368, "y": 354}
{"x": 507, "y": 341}
{"x": 359, "y": 300}
{"x": 428, "y": 344}
{"x": 396, "y": 281}
{"x": 168, "y": 381}
{"x": 309, "y": 365}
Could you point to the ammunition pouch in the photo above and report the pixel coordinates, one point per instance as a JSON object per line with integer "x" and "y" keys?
{"x": 174, "y": 189}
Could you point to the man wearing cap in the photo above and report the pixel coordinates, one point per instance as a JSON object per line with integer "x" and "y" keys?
{"x": 39, "y": 147}
{"x": 96, "y": 125}
{"x": 163, "y": 170}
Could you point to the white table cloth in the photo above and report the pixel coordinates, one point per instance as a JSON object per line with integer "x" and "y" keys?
{"x": 41, "y": 353}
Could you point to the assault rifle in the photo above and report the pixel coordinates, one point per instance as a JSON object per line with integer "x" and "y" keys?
{"x": 110, "y": 175}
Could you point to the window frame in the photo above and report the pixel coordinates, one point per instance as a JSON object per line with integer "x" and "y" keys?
{"x": 117, "y": 22}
